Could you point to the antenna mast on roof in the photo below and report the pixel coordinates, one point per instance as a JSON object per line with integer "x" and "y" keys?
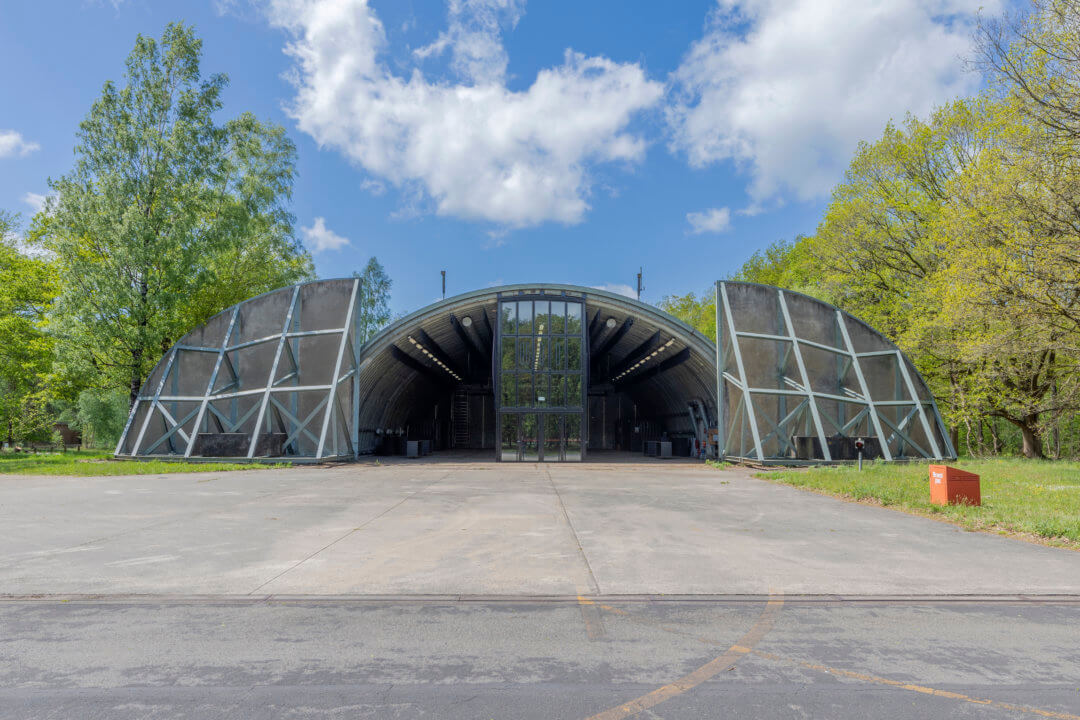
{"x": 443, "y": 284}
{"x": 640, "y": 285}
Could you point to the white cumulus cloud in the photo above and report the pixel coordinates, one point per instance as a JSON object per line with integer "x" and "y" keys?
{"x": 35, "y": 200}
{"x": 618, "y": 289}
{"x": 787, "y": 88}
{"x": 477, "y": 149}
{"x": 473, "y": 38}
{"x": 13, "y": 143}
{"x": 713, "y": 220}
{"x": 318, "y": 237}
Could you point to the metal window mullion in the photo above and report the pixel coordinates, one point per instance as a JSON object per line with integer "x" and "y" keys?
{"x": 176, "y": 425}
{"x": 898, "y": 431}
{"x": 273, "y": 371}
{"x": 804, "y": 341}
{"x": 332, "y": 392}
{"x": 863, "y": 386}
{"x": 354, "y": 411}
{"x": 300, "y": 425}
{"x": 918, "y": 404}
{"x": 814, "y": 411}
{"x": 721, "y": 439}
{"x": 197, "y": 348}
{"x": 749, "y": 401}
{"x": 256, "y": 341}
{"x": 176, "y": 429}
{"x": 153, "y": 403}
{"x": 226, "y": 421}
{"x": 734, "y": 381}
{"x": 213, "y": 381}
{"x": 309, "y": 333}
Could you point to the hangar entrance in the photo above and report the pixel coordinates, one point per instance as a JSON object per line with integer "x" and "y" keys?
{"x": 539, "y": 379}
{"x": 538, "y": 373}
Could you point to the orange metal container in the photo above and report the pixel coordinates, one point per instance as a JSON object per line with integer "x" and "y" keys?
{"x": 949, "y": 486}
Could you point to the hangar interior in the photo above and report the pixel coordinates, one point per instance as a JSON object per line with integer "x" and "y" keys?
{"x": 531, "y": 373}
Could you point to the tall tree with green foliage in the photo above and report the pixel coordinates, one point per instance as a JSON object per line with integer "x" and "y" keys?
{"x": 27, "y": 290}
{"x": 785, "y": 263}
{"x": 168, "y": 215}
{"x": 373, "y": 309}
{"x": 697, "y": 311}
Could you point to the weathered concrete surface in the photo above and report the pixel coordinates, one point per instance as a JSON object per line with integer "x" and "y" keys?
{"x": 489, "y": 529}
{"x": 116, "y": 660}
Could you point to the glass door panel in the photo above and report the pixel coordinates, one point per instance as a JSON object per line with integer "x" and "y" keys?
{"x": 573, "y": 437}
{"x": 510, "y": 446}
{"x": 553, "y": 440}
{"x": 573, "y": 318}
{"x": 540, "y": 359}
{"x": 530, "y": 438}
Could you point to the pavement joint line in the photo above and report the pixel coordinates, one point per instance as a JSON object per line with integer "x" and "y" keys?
{"x": 359, "y": 527}
{"x": 863, "y": 677}
{"x": 594, "y": 585}
{"x": 709, "y": 670}
{"x": 599, "y": 600}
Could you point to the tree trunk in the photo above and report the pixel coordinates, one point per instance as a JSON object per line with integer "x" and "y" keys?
{"x": 1033, "y": 446}
{"x": 137, "y": 353}
{"x": 954, "y": 437}
{"x": 1057, "y": 422}
{"x": 136, "y": 377}
{"x": 995, "y": 436}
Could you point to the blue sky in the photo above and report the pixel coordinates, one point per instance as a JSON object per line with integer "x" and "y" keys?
{"x": 506, "y": 141}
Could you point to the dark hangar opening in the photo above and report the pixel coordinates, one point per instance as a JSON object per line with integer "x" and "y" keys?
{"x": 536, "y": 374}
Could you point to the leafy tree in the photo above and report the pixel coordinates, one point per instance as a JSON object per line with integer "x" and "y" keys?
{"x": 1035, "y": 59}
{"x": 373, "y": 310}
{"x": 697, "y": 311}
{"x": 27, "y": 289}
{"x": 101, "y": 415}
{"x": 786, "y": 264}
{"x": 167, "y": 216}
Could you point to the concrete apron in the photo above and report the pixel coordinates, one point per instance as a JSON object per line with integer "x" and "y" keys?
{"x": 486, "y": 529}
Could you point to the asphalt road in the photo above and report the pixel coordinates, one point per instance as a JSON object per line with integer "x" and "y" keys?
{"x": 469, "y": 590}
{"x": 400, "y": 658}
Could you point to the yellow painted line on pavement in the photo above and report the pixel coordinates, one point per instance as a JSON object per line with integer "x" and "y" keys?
{"x": 743, "y": 649}
{"x": 709, "y": 670}
{"x": 864, "y": 677}
{"x": 590, "y": 615}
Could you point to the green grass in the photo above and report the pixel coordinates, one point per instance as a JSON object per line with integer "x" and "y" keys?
{"x": 97, "y": 462}
{"x": 1035, "y": 500}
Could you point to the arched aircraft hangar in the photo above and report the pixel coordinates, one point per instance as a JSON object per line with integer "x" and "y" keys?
{"x": 532, "y": 373}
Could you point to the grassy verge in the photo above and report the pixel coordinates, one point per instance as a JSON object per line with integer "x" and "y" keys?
{"x": 1033, "y": 500}
{"x": 98, "y": 462}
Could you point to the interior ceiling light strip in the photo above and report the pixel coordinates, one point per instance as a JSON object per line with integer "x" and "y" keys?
{"x": 430, "y": 356}
{"x": 540, "y": 339}
{"x": 645, "y": 359}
